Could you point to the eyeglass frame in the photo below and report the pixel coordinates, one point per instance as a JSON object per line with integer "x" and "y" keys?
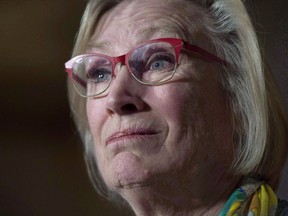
{"x": 177, "y": 43}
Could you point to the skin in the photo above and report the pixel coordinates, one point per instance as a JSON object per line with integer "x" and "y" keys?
{"x": 165, "y": 149}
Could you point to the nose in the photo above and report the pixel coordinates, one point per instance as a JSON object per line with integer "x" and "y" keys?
{"x": 125, "y": 95}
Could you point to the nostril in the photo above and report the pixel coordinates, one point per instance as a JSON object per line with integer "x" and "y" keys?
{"x": 129, "y": 108}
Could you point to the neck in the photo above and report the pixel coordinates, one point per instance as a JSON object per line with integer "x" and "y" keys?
{"x": 168, "y": 198}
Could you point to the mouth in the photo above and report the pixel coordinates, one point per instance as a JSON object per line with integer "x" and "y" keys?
{"x": 130, "y": 134}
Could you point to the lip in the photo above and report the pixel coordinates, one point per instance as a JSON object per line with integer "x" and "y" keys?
{"x": 129, "y": 133}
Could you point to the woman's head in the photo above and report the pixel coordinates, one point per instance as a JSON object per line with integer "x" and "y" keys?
{"x": 207, "y": 119}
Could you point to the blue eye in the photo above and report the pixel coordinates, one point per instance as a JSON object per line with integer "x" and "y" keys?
{"x": 99, "y": 75}
{"x": 152, "y": 63}
{"x": 161, "y": 62}
{"x": 158, "y": 65}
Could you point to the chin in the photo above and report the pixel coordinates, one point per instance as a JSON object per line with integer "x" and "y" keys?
{"x": 127, "y": 170}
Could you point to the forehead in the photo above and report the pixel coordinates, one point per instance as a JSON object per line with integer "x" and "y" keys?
{"x": 132, "y": 22}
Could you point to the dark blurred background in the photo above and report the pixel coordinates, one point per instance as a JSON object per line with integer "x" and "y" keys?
{"x": 42, "y": 172}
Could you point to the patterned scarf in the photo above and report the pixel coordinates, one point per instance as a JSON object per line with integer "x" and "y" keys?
{"x": 254, "y": 195}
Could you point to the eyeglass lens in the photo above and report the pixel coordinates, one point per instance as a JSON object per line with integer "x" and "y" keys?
{"x": 150, "y": 63}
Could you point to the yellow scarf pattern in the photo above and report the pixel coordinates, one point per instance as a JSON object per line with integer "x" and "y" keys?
{"x": 257, "y": 197}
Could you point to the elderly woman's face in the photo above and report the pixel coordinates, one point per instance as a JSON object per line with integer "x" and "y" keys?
{"x": 144, "y": 134}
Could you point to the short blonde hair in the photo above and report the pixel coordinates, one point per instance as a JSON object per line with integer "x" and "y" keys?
{"x": 259, "y": 121}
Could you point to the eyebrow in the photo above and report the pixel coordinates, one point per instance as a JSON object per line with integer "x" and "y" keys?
{"x": 99, "y": 45}
{"x": 143, "y": 35}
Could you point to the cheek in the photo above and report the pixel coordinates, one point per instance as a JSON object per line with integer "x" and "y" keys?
{"x": 177, "y": 104}
{"x": 198, "y": 118}
{"x": 174, "y": 102}
{"x": 96, "y": 119}
{"x": 95, "y": 113}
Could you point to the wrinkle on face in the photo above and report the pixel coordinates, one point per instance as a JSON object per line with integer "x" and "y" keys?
{"x": 169, "y": 24}
{"x": 188, "y": 109}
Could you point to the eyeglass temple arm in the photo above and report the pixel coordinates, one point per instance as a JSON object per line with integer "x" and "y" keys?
{"x": 205, "y": 53}
{"x": 76, "y": 77}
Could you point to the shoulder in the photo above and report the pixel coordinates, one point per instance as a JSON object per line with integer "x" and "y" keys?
{"x": 282, "y": 208}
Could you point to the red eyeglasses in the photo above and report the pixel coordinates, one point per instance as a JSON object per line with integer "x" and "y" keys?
{"x": 151, "y": 63}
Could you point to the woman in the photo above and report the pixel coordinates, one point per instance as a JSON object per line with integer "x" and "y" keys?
{"x": 177, "y": 111}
